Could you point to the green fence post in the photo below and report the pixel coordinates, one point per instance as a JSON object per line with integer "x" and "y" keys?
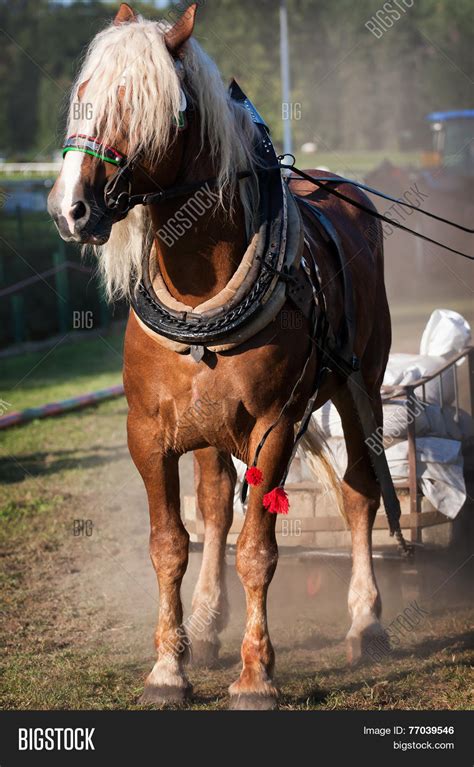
{"x": 61, "y": 281}
{"x": 18, "y": 316}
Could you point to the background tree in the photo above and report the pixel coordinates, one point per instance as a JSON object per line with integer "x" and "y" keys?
{"x": 356, "y": 90}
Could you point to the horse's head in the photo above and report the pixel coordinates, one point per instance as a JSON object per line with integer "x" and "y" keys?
{"x": 123, "y": 135}
{"x": 149, "y": 111}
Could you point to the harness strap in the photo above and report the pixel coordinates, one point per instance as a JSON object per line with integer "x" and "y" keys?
{"x": 183, "y": 189}
{"x": 383, "y": 195}
{"x": 304, "y": 423}
{"x": 345, "y": 341}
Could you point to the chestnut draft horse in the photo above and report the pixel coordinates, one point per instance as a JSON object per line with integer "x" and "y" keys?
{"x": 160, "y": 122}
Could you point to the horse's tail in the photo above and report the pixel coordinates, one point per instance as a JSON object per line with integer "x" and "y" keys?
{"x": 317, "y": 456}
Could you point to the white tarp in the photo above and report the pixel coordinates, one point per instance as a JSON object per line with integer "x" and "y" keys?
{"x": 439, "y": 468}
{"x": 429, "y": 419}
{"x": 241, "y": 468}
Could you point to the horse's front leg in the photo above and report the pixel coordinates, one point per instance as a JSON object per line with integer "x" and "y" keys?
{"x": 167, "y": 682}
{"x": 215, "y": 477}
{"x": 257, "y": 556}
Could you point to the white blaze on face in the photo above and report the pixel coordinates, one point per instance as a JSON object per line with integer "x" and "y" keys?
{"x": 71, "y": 186}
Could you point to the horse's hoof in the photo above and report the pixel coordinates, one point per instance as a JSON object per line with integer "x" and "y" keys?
{"x": 204, "y": 654}
{"x": 164, "y": 695}
{"x": 371, "y": 644}
{"x": 252, "y": 702}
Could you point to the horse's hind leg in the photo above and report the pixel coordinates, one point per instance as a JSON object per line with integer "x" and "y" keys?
{"x": 215, "y": 482}
{"x": 361, "y": 493}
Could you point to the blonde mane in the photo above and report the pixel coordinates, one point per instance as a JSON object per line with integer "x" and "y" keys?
{"x": 134, "y": 56}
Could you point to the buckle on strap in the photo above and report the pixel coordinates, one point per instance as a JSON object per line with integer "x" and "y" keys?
{"x": 119, "y": 202}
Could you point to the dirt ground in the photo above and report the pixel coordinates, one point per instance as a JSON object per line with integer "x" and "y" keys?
{"x": 79, "y": 610}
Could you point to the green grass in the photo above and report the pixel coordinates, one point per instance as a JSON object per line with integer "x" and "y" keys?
{"x": 16, "y": 512}
{"x": 61, "y": 371}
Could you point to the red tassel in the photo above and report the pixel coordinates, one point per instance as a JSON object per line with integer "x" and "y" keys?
{"x": 254, "y": 476}
{"x": 276, "y": 501}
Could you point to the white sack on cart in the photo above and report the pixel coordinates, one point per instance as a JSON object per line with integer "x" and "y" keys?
{"x": 405, "y": 369}
{"x": 446, "y": 333}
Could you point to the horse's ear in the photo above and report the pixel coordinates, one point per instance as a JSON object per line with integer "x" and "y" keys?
{"x": 125, "y": 14}
{"x": 181, "y": 30}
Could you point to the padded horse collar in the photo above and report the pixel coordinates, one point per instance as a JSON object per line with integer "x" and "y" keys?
{"x": 197, "y": 329}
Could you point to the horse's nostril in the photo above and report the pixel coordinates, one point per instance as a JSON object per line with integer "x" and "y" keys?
{"x": 78, "y": 210}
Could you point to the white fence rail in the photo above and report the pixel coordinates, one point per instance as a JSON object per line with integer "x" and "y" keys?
{"x": 29, "y": 167}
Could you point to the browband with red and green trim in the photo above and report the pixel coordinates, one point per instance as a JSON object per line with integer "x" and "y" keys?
{"x": 94, "y": 147}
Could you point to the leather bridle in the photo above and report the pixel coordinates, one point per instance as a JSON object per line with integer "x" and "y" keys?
{"x": 115, "y": 198}
{"x": 121, "y": 200}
